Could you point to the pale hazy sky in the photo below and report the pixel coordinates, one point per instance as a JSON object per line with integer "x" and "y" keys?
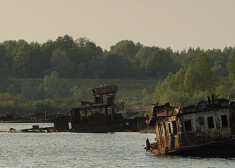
{"x": 175, "y": 23}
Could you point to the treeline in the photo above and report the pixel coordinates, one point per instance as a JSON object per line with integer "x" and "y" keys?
{"x": 200, "y": 78}
{"x": 82, "y": 58}
{"x": 186, "y": 77}
{"x": 59, "y": 95}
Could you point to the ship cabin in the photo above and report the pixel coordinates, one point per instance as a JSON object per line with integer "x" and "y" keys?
{"x": 209, "y": 125}
{"x": 102, "y": 110}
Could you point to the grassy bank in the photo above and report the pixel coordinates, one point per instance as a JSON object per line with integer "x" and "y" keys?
{"x": 137, "y": 95}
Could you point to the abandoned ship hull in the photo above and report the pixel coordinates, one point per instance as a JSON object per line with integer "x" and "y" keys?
{"x": 206, "y": 129}
{"x": 109, "y": 126}
{"x": 215, "y": 149}
{"x": 100, "y": 116}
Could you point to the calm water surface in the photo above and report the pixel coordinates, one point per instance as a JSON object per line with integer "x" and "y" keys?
{"x": 88, "y": 150}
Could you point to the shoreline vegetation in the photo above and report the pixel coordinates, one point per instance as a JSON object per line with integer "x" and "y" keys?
{"x": 135, "y": 94}
{"x": 55, "y": 76}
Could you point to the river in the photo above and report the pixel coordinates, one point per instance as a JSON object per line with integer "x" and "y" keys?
{"x": 88, "y": 150}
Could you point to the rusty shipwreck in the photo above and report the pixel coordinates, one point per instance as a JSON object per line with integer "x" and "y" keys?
{"x": 100, "y": 116}
{"x": 205, "y": 129}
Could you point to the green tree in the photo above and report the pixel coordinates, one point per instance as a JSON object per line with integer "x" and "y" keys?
{"x": 76, "y": 92}
{"x": 4, "y": 68}
{"x": 61, "y": 63}
{"x": 176, "y": 82}
{"x": 231, "y": 66}
{"x": 222, "y": 91}
{"x": 51, "y": 85}
{"x": 65, "y": 43}
{"x": 22, "y": 59}
{"x": 115, "y": 67}
{"x": 143, "y": 54}
{"x": 219, "y": 69}
{"x": 160, "y": 64}
{"x": 38, "y": 62}
{"x": 199, "y": 75}
{"x": 126, "y": 48}
{"x": 192, "y": 80}
{"x": 9, "y": 50}
{"x": 4, "y": 64}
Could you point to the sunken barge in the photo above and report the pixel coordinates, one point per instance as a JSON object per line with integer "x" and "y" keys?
{"x": 205, "y": 129}
{"x": 101, "y": 116}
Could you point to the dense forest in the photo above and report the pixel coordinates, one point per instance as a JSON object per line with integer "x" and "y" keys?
{"x": 82, "y": 59}
{"x": 36, "y": 77}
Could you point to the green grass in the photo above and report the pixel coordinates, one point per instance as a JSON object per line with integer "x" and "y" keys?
{"x": 127, "y": 89}
{"x": 138, "y": 94}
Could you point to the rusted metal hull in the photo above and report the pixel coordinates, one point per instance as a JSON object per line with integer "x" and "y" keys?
{"x": 103, "y": 115}
{"x": 127, "y": 125}
{"x": 100, "y": 116}
{"x": 202, "y": 130}
{"x": 214, "y": 149}
{"x": 61, "y": 123}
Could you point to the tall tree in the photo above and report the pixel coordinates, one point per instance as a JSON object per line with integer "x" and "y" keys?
{"x": 231, "y": 66}
{"x": 22, "y": 59}
{"x": 143, "y": 54}
{"x": 126, "y": 48}
{"x": 112, "y": 66}
{"x": 61, "y": 63}
{"x": 4, "y": 71}
{"x": 51, "y": 86}
{"x": 4, "y": 64}
{"x": 160, "y": 64}
{"x": 65, "y": 43}
{"x": 199, "y": 75}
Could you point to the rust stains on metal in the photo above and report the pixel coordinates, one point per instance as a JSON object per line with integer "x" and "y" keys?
{"x": 205, "y": 128}
{"x": 103, "y": 115}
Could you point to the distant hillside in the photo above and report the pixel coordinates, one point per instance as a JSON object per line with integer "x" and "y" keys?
{"x": 26, "y": 96}
{"x": 128, "y": 90}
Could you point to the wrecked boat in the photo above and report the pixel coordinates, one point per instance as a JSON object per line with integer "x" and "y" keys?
{"x": 37, "y": 129}
{"x": 205, "y": 129}
{"x": 101, "y": 116}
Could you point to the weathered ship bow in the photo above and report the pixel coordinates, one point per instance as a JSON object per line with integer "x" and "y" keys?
{"x": 205, "y": 129}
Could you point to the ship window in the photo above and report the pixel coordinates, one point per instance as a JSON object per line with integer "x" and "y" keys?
{"x": 188, "y": 125}
{"x": 174, "y": 127}
{"x": 210, "y": 122}
{"x": 224, "y": 120}
{"x": 169, "y": 127}
{"x": 165, "y": 129}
